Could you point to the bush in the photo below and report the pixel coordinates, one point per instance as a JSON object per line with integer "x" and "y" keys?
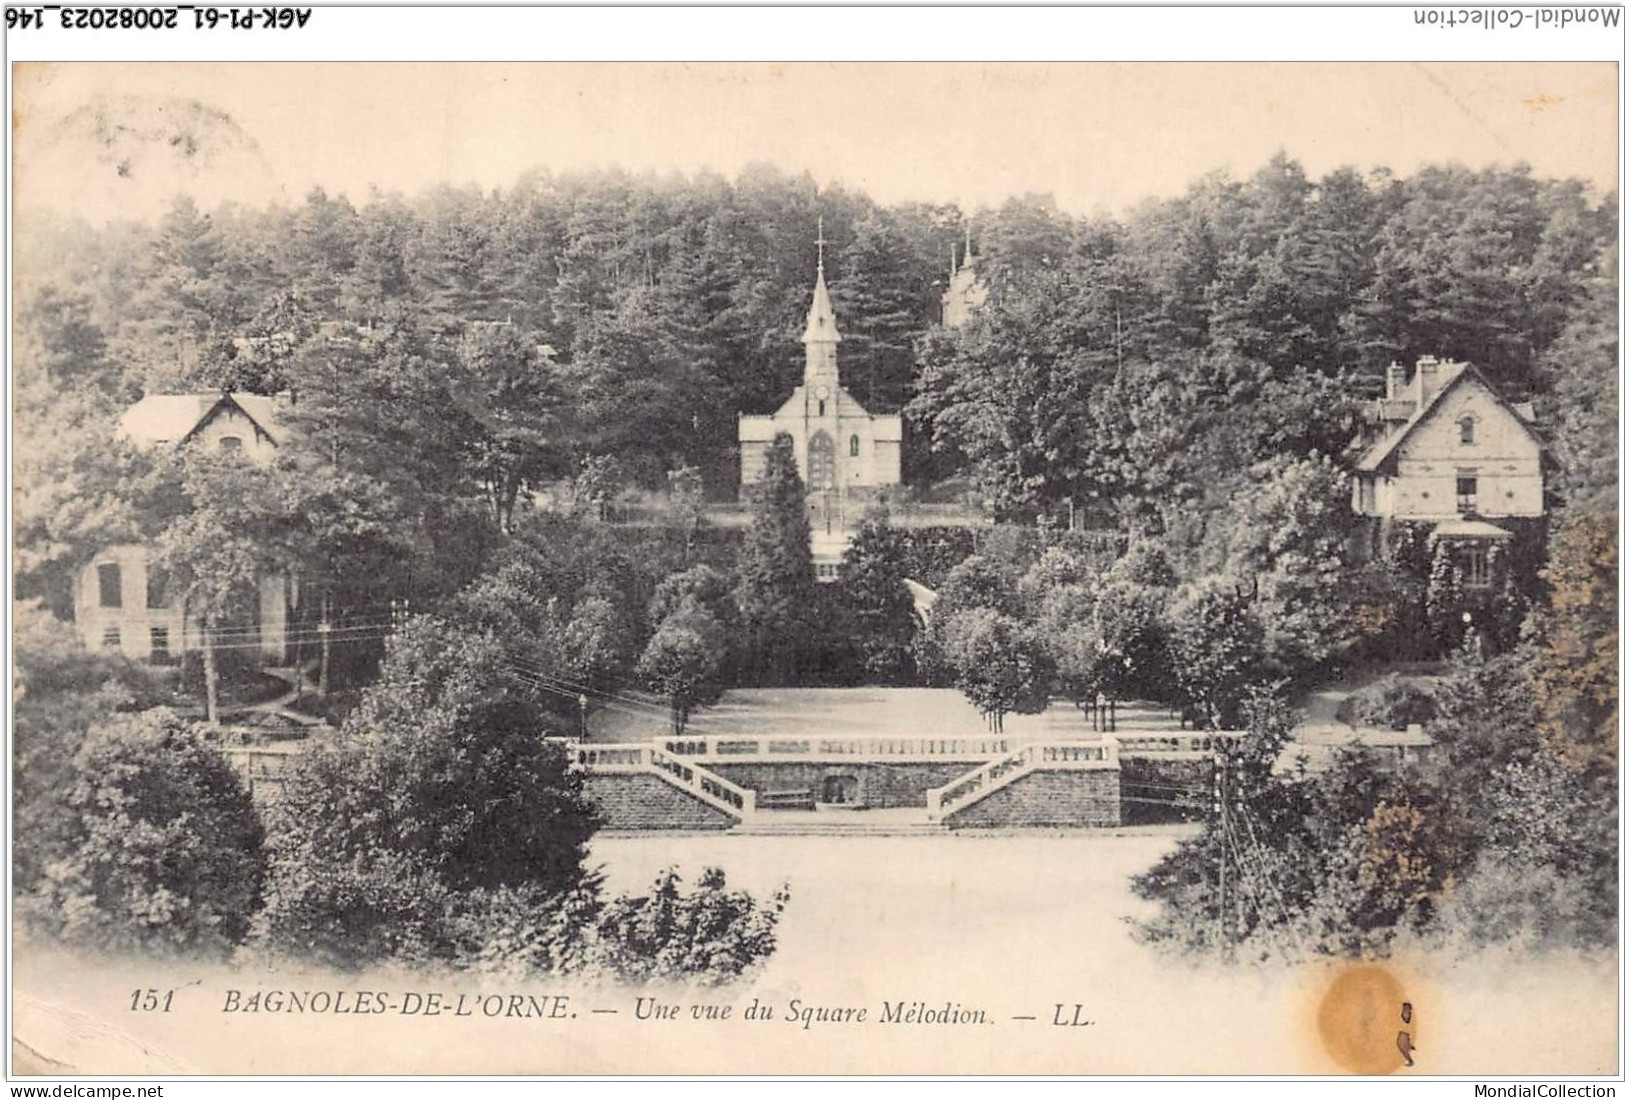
{"x": 437, "y": 786}
{"x": 710, "y": 935}
{"x": 1393, "y": 702}
{"x": 162, "y": 846}
{"x": 61, "y": 692}
{"x": 437, "y": 809}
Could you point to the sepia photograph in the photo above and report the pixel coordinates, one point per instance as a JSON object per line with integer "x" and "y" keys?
{"x": 816, "y": 568}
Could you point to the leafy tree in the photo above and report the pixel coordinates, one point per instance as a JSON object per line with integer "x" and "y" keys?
{"x": 1216, "y": 646}
{"x": 998, "y": 664}
{"x": 700, "y": 584}
{"x": 708, "y": 936}
{"x": 71, "y": 347}
{"x": 380, "y": 403}
{"x": 1583, "y": 364}
{"x": 1575, "y": 673}
{"x": 684, "y": 659}
{"x": 687, "y": 490}
{"x": 1287, "y": 534}
{"x": 596, "y": 642}
{"x": 1128, "y": 624}
{"x": 216, "y": 553}
{"x": 598, "y": 482}
{"x": 513, "y": 398}
{"x": 69, "y": 466}
{"x": 978, "y": 581}
{"x": 775, "y": 569}
{"x": 162, "y": 849}
{"x": 435, "y": 789}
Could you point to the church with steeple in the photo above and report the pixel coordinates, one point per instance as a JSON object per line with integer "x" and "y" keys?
{"x": 843, "y": 452}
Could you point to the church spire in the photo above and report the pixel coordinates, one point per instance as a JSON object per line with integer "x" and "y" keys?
{"x": 821, "y": 317}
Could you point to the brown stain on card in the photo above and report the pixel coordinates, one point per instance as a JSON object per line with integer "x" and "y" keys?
{"x": 1367, "y": 1019}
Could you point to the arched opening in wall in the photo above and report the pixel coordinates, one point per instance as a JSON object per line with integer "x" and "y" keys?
{"x": 852, "y": 447}
{"x": 820, "y": 462}
{"x": 839, "y": 790}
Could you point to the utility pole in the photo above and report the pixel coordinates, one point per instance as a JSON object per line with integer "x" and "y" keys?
{"x": 1221, "y": 814}
{"x": 325, "y": 630}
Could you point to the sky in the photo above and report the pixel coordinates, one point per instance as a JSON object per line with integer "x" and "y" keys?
{"x": 120, "y": 139}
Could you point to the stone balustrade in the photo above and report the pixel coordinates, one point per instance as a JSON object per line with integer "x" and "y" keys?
{"x": 839, "y": 748}
{"x": 1038, "y": 756}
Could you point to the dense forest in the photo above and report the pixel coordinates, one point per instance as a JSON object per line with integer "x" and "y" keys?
{"x": 461, "y": 346}
{"x": 1159, "y": 408}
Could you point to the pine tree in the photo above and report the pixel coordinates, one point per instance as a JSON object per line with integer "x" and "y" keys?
{"x": 880, "y": 607}
{"x": 775, "y": 569}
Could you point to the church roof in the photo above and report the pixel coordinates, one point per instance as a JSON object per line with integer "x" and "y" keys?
{"x": 758, "y": 429}
{"x": 821, "y": 317}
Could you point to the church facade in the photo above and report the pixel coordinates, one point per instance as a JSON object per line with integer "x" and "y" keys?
{"x": 843, "y": 452}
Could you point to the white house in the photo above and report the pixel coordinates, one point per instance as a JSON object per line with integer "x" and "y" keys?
{"x": 1452, "y": 452}
{"x": 120, "y": 602}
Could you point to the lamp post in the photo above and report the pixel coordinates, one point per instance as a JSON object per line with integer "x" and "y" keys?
{"x": 581, "y": 702}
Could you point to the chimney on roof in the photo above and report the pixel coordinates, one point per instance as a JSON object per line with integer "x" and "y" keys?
{"x": 1396, "y": 380}
{"x": 1427, "y": 380}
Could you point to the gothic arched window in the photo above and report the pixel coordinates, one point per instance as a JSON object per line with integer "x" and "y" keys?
{"x": 852, "y": 446}
{"x": 821, "y": 462}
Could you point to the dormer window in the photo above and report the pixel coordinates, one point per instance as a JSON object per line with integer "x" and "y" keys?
{"x": 1468, "y": 427}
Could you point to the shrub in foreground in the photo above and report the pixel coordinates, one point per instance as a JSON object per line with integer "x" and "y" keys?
{"x": 163, "y": 849}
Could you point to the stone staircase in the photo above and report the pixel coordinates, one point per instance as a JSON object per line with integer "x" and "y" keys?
{"x": 1012, "y": 767}
{"x": 904, "y": 822}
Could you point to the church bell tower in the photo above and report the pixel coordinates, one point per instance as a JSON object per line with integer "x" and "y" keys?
{"x": 822, "y": 376}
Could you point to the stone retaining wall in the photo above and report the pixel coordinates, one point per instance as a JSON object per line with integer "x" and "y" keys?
{"x": 880, "y": 785}
{"x": 1047, "y": 798}
{"x": 1151, "y": 781}
{"x": 634, "y": 801}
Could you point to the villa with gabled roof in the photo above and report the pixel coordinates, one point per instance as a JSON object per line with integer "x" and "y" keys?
{"x": 120, "y": 602}
{"x": 1450, "y": 451}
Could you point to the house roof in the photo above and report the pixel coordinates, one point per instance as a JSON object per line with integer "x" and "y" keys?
{"x": 1379, "y": 455}
{"x": 1470, "y": 529}
{"x": 172, "y": 418}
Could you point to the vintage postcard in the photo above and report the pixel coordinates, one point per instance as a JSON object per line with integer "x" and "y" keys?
{"x": 812, "y": 568}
